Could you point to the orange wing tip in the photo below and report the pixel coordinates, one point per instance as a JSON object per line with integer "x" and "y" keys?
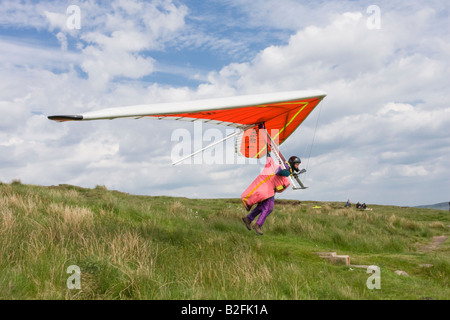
{"x": 66, "y": 118}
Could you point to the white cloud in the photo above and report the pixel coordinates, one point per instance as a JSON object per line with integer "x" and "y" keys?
{"x": 62, "y": 40}
{"x": 102, "y": 65}
{"x": 17, "y": 55}
{"x": 25, "y": 13}
{"x": 142, "y": 27}
{"x": 56, "y": 20}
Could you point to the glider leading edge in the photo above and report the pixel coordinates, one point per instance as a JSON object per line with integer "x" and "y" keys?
{"x": 264, "y": 121}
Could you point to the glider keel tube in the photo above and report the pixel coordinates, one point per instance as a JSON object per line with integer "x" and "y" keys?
{"x": 66, "y": 118}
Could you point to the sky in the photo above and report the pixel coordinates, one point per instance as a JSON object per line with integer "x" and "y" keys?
{"x": 381, "y": 135}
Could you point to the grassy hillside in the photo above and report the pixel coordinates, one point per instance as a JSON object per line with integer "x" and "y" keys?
{"x": 141, "y": 247}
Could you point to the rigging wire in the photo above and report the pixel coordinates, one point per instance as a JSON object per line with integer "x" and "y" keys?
{"x": 312, "y": 142}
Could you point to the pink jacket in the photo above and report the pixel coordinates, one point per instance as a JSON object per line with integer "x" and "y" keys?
{"x": 265, "y": 185}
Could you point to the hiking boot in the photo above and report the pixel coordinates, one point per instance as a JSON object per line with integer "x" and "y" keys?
{"x": 257, "y": 228}
{"x": 247, "y": 223}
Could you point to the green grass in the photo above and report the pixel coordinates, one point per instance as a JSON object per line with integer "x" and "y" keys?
{"x": 141, "y": 247}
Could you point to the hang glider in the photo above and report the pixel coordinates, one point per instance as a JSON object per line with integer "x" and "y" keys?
{"x": 278, "y": 113}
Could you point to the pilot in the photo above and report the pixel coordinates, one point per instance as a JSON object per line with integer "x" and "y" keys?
{"x": 262, "y": 191}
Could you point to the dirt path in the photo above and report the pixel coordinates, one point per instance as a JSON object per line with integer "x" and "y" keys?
{"x": 437, "y": 241}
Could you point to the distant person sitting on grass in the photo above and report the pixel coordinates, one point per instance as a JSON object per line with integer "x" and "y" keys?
{"x": 361, "y": 206}
{"x": 348, "y": 204}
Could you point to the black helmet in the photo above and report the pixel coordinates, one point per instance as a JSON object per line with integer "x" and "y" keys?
{"x": 292, "y": 161}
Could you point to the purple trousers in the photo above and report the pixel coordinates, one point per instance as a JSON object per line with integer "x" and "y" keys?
{"x": 264, "y": 208}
